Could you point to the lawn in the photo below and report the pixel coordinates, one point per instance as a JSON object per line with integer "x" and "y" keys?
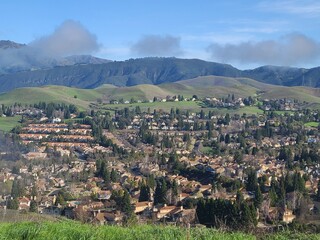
{"x": 165, "y": 106}
{"x": 185, "y": 105}
{"x": 7, "y": 123}
{"x": 311, "y": 124}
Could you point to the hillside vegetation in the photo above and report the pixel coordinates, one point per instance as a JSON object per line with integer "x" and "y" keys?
{"x": 153, "y": 71}
{"x": 207, "y": 86}
{"x": 73, "y": 230}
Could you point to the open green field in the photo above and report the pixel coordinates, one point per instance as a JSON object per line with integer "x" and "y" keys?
{"x": 311, "y": 124}
{"x": 249, "y": 110}
{"x": 165, "y": 106}
{"x": 57, "y": 94}
{"x": 7, "y": 123}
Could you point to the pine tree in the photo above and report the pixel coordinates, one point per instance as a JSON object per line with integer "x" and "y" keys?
{"x": 33, "y": 206}
{"x": 318, "y": 192}
{"x": 258, "y": 198}
{"x": 151, "y": 182}
{"x": 252, "y": 180}
{"x": 144, "y": 193}
{"x": 13, "y": 204}
{"x": 17, "y": 189}
{"x": 114, "y": 175}
{"x": 160, "y": 192}
{"x": 125, "y": 205}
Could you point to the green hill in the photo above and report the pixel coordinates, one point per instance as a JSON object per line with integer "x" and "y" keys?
{"x": 206, "y": 86}
{"x": 61, "y": 94}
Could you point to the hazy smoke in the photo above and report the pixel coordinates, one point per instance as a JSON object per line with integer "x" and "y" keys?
{"x": 70, "y": 38}
{"x": 156, "y": 45}
{"x": 289, "y": 50}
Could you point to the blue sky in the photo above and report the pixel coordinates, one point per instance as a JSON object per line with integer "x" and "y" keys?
{"x": 243, "y": 33}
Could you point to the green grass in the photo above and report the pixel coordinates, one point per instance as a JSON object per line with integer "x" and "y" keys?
{"x": 311, "y": 124}
{"x": 7, "y": 123}
{"x": 206, "y": 150}
{"x": 72, "y": 230}
{"x": 250, "y": 110}
{"x": 165, "y": 106}
{"x": 208, "y": 86}
{"x": 58, "y": 94}
{"x": 69, "y": 230}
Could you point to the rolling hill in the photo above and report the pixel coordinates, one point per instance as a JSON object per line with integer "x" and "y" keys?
{"x": 202, "y": 86}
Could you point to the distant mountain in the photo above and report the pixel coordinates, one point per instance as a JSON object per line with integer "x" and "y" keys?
{"x": 6, "y": 44}
{"x": 17, "y": 57}
{"x": 90, "y": 72}
{"x": 124, "y": 73}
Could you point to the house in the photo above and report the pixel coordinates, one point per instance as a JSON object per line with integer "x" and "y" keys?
{"x": 56, "y": 120}
{"x": 167, "y": 211}
{"x": 35, "y": 155}
{"x": 141, "y": 206}
{"x": 104, "y": 195}
{"x": 24, "y": 203}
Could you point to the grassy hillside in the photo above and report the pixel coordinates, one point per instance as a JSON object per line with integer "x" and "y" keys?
{"x": 200, "y": 86}
{"x": 7, "y": 123}
{"x": 61, "y": 94}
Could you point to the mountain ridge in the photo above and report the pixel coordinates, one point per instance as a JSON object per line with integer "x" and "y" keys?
{"x": 90, "y": 72}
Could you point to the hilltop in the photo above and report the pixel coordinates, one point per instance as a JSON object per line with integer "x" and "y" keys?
{"x": 89, "y": 72}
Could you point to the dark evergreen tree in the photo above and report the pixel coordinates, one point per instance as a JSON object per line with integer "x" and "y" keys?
{"x": 160, "y": 192}
{"x": 144, "y": 193}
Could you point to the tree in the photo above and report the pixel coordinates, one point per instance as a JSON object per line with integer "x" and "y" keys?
{"x": 60, "y": 199}
{"x": 258, "y": 198}
{"x": 252, "y": 180}
{"x": 114, "y": 175}
{"x": 227, "y": 119}
{"x": 238, "y": 157}
{"x": 318, "y": 192}
{"x": 33, "y": 206}
{"x": 34, "y": 192}
{"x": 144, "y": 193}
{"x": 160, "y": 192}
{"x": 151, "y": 182}
{"x": 125, "y": 204}
{"x": 13, "y": 204}
{"x": 18, "y": 189}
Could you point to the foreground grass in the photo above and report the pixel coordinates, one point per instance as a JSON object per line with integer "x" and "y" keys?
{"x": 72, "y": 230}
{"x": 7, "y": 123}
{"x": 69, "y": 230}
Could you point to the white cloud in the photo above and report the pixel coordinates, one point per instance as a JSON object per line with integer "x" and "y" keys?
{"x": 157, "y": 45}
{"x": 290, "y": 49}
{"x": 70, "y": 38}
{"x": 307, "y": 8}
